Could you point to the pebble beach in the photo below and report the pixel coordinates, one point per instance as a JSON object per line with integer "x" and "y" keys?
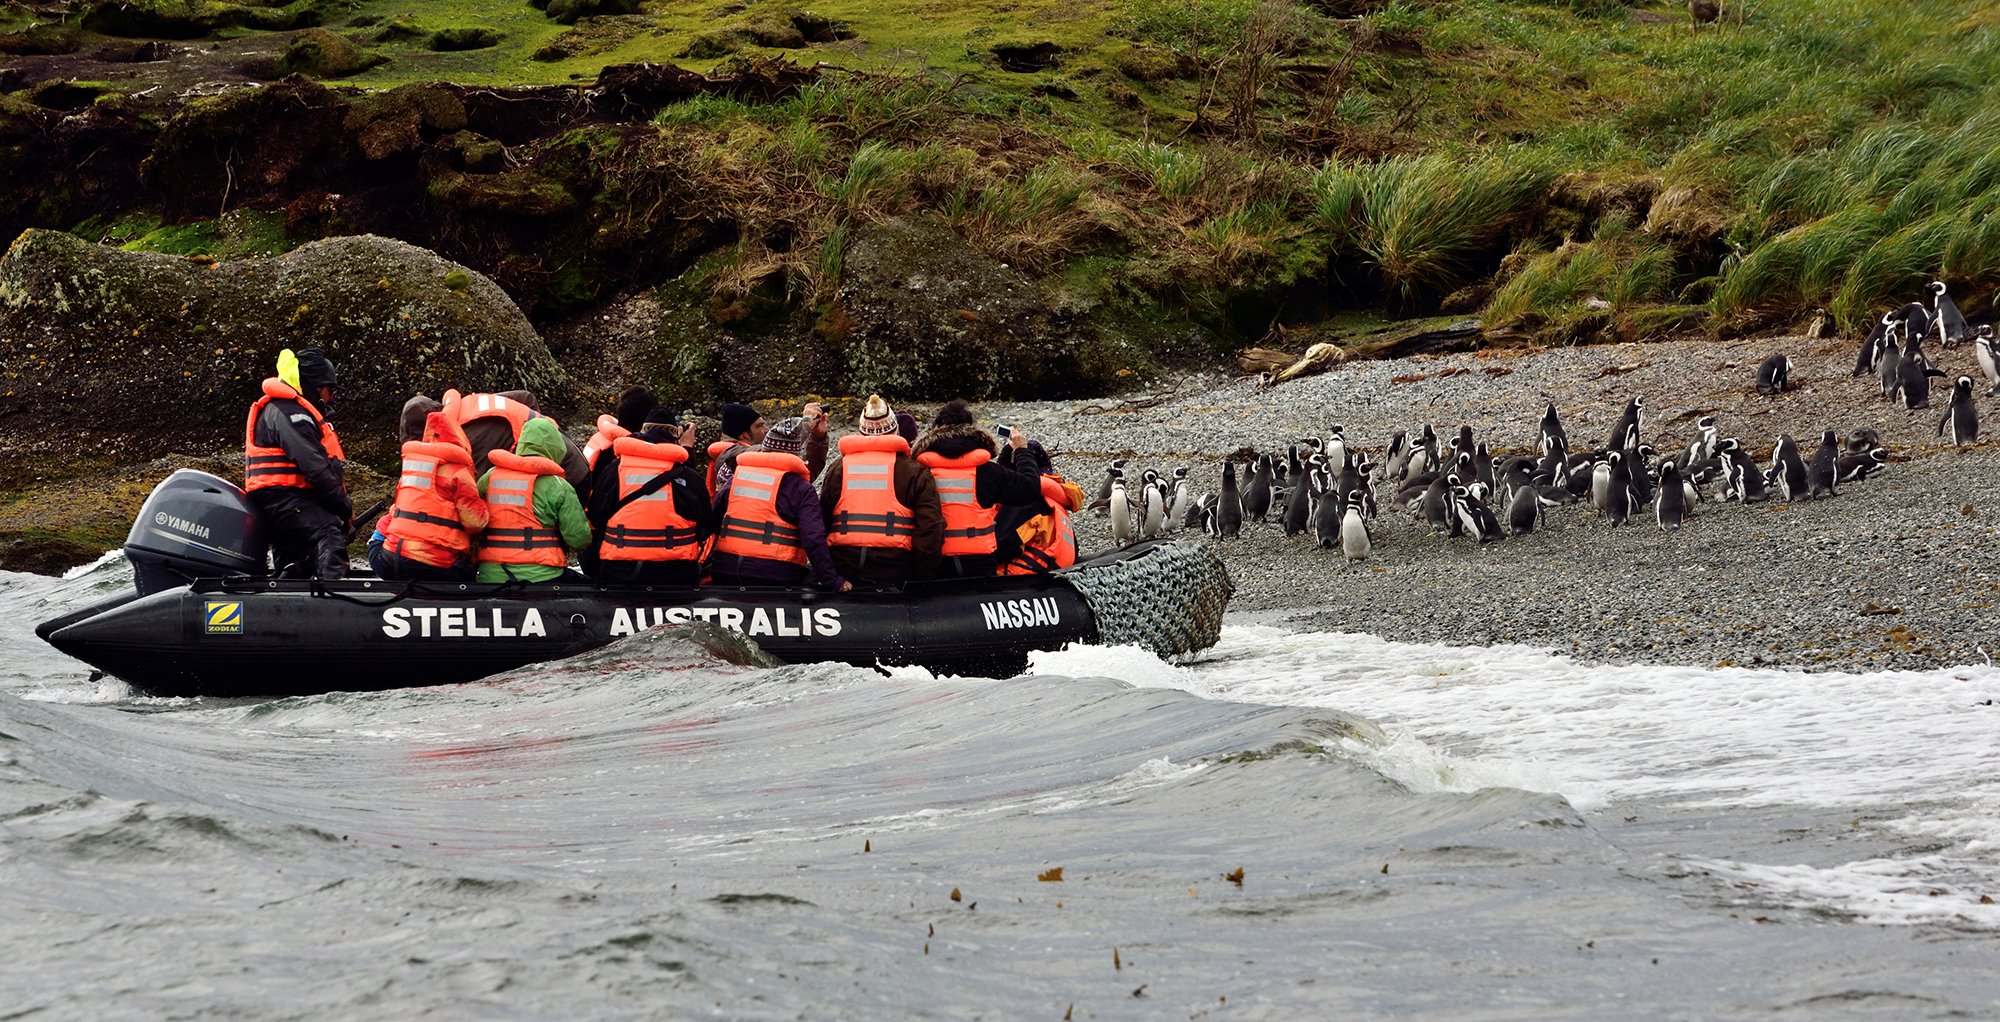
{"x": 1901, "y": 571}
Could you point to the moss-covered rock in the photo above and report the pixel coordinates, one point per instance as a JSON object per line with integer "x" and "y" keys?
{"x": 46, "y": 40}
{"x": 921, "y": 313}
{"x": 323, "y": 54}
{"x": 566, "y": 12}
{"x": 193, "y": 19}
{"x": 452, "y": 40}
{"x": 183, "y": 341}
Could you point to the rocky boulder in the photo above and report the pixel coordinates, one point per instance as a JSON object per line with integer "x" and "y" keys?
{"x": 127, "y": 355}
{"x": 922, "y": 313}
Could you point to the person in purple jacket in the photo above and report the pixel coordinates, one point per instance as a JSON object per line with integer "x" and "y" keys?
{"x": 771, "y": 527}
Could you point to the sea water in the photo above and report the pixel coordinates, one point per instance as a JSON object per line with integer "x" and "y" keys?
{"x": 1289, "y": 826}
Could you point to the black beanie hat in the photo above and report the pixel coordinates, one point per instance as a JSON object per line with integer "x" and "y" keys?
{"x": 737, "y": 419}
{"x": 315, "y": 370}
{"x": 634, "y": 405}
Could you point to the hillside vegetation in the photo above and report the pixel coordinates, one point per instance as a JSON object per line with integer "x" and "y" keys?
{"x": 1567, "y": 171}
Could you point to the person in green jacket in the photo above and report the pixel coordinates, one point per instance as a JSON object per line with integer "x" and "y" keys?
{"x": 555, "y": 506}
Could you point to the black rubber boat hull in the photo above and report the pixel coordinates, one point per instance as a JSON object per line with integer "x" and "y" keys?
{"x": 275, "y": 638}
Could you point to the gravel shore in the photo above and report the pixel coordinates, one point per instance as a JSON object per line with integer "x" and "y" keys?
{"x": 1900, "y": 571}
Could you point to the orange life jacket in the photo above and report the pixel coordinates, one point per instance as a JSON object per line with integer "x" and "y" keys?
{"x": 265, "y": 467}
{"x": 751, "y": 526}
{"x": 715, "y": 452}
{"x": 1051, "y": 545}
{"x": 649, "y": 528}
{"x": 513, "y": 534}
{"x": 464, "y": 409}
{"x": 608, "y": 430}
{"x": 968, "y": 527}
{"x": 868, "y": 513}
{"x": 421, "y": 512}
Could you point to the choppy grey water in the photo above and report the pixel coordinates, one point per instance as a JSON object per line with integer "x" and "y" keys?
{"x": 654, "y": 831}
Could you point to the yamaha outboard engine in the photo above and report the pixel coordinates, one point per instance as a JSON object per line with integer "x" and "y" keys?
{"x": 195, "y": 525}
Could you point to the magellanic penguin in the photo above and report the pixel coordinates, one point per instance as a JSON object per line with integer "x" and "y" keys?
{"x": 1154, "y": 501}
{"x": 1987, "y": 350}
{"x": 1618, "y": 489}
{"x": 1871, "y": 347}
{"x": 1327, "y": 520}
{"x": 1183, "y": 498}
{"x": 1856, "y": 467}
{"x": 1355, "y": 544}
{"x": 1103, "y": 499}
{"x": 1774, "y": 375}
{"x": 1671, "y": 508}
{"x": 1706, "y": 437}
{"x": 1789, "y": 470}
{"x": 1123, "y": 529}
{"x": 1824, "y": 468}
{"x": 1861, "y": 440}
{"x": 1257, "y": 489}
{"x": 1625, "y": 432}
{"x": 1524, "y": 510}
{"x": 1229, "y": 512}
{"x": 1298, "y": 504}
{"x": 1962, "y": 417}
{"x": 1552, "y": 430}
{"x": 1914, "y": 374}
{"x": 1946, "y": 321}
{"x": 1600, "y": 482}
{"x": 1889, "y": 366}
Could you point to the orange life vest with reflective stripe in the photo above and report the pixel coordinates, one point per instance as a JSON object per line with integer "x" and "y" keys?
{"x": 751, "y": 526}
{"x": 265, "y": 467}
{"x": 513, "y": 534}
{"x": 422, "y": 513}
{"x": 608, "y": 430}
{"x": 464, "y": 409}
{"x": 715, "y": 452}
{"x": 649, "y": 528}
{"x": 1051, "y": 547}
{"x": 968, "y": 527}
{"x": 868, "y": 513}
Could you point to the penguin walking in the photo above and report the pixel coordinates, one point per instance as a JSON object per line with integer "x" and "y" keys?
{"x": 1987, "y": 350}
{"x": 1871, "y": 347}
{"x": 1789, "y": 470}
{"x": 1625, "y": 432}
{"x": 1671, "y": 509}
{"x": 1229, "y": 509}
{"x": 1962, "y": 416}
{"x": 1824, "y": 468}
{"x": 1774, "y": 375}
{"x": 1257, "y": 489}
{"x": 1946, "y": 321}
{"x": 1123, "y": 529}
{"x": 1618, "y": 489}
{"x": 1355, "y": 544}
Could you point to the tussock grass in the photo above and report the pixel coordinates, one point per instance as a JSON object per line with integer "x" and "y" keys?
{"x": 1421, "y": 221}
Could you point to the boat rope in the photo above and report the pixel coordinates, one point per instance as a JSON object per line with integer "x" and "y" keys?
{"x": 1169, "y": 602}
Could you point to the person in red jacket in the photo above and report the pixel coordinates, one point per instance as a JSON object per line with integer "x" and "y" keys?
{"x": 430, "y": 535}
{"x": 975, "y": 479}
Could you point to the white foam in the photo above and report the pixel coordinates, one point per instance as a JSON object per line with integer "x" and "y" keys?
{"x": 1931, "y": 889}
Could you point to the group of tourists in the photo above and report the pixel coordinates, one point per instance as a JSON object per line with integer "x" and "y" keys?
{"x": 491, "y": 490}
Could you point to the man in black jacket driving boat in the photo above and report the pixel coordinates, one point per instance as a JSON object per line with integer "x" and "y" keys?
{"x": 293, "y": 467}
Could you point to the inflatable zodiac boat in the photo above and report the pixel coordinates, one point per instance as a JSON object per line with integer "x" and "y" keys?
{"x": 205, "y": 617}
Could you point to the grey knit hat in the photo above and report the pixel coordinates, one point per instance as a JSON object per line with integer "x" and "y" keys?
{"x": 787, "y": 436}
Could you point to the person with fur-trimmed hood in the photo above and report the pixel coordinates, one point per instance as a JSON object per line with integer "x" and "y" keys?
{"x": 883, "y": 521}
{"x": 976, "y": 478}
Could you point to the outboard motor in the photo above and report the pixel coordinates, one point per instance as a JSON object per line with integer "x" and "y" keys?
{"x": 195, "y": 525}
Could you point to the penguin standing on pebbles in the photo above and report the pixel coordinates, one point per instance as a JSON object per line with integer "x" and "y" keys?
{"x": 1962, "y": 417}
{"x": 1825, "y": 465}
{"x": 1354, "y": 542}
{"x": 1871, "y": 347}
{"x": 1889, "y": 366}
{"x": 1103, "y": 499}
{"x": 1671, "y": 509}
{"x": 1946, "y": 321}
{"x": 1229, "y": 512}
{"x": 1988, "y": 352}
{"x": 1123, "y": 529}
{"x": 1257, "y": 489}
{"x": 1774, "y": 376}
{"x": 1327, "y": 521}
{"x": 1525, "y": 510}
{"x": 1618, "y": 489}
{"x": 1914, "y": 374}
{"x": 1153, "y": 498}
{"x": 1789, "y": 470}
{"x": 1552, "y": 430}
{"x": 1625, "y": 432}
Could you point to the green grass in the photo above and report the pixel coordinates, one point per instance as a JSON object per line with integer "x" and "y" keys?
{"x": 1833, "y": 153}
